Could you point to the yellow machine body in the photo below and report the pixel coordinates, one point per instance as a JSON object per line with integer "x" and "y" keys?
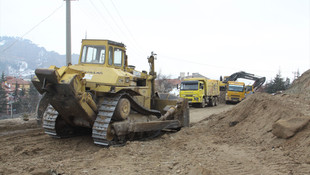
{"x": 99, "y": 93}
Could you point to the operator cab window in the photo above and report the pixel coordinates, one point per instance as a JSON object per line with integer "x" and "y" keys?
{"x": 93, "y": 54}
{"x": 110, "y": 55}
{"x": 118, "y": 57}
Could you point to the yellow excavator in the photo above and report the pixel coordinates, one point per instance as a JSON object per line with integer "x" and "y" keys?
{"x": 106, "y": 95}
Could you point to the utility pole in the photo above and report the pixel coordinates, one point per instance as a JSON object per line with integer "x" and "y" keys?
{"x": 68, "y": 33}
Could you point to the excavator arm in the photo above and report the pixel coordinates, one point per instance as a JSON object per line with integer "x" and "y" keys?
{"x": 258, "y": 81}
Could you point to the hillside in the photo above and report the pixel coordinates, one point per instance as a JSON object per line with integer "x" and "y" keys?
{"x": 20, "y": 57}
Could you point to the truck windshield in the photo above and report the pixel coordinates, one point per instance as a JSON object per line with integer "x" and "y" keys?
{"x": 93, "y": 54}
{"x": 190, "y": 85}
{"x": 237, "y": 88}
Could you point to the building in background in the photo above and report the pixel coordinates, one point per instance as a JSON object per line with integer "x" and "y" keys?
{"x": 10, "y": 88}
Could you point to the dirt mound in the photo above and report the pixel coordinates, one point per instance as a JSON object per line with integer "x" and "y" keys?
{"x": 301, "y": 85}
{"x": 250, "y": 122}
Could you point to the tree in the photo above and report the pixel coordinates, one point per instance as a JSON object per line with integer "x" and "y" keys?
{"x": 3, "y": 101}
{"x": 33, "y": 98}
{"x": 277, "y": 84}
{"x": 3, "y": 78}
{"x": 17, "y": 103}
{"x": 22, "y": 92}
{"x": 162, "y": 83}
{"x": 15, "y": 93}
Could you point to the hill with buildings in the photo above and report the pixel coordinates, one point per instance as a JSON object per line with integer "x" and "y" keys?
{"x": 20, "y": 57}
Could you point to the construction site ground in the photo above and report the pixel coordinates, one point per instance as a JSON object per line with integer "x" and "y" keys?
{"x": 222, "y": 140}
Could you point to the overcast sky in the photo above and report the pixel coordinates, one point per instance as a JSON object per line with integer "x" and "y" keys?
{"x": 212, "y": 37}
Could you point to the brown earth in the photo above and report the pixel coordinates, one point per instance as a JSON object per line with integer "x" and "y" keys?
{"x": 222, "y": 140}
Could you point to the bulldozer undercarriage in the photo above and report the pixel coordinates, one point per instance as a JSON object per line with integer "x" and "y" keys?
{"x": 115, "y": 122}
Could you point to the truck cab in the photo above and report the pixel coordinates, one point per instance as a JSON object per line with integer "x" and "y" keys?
{"x": 200, "y": 91}
{"x": 192, "y": 90}
{"x": 235, "y": 92}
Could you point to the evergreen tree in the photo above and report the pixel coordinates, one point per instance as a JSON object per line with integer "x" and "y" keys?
{"x": 17, "y": 104}
{"x": 3, "y": 101}
{"x": 3, "y": 79}
{"x": 277, "y": 84}
{"x": 22, "y": 93}
{"x": 15, "y": 94}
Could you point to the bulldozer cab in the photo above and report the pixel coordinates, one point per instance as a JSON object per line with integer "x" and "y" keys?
{"x": 103, "y": 52}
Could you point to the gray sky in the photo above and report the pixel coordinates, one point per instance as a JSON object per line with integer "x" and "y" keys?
{"x": 212, "y": 37}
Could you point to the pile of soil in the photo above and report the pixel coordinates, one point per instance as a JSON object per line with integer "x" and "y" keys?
{"x": 301, "y": 85}
{"x": 251, "y": 122}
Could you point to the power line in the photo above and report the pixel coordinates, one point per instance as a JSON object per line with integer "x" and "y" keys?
{"x": 126, "y": 27}
{"x": 116, "y": 24}
{"x": 207, "y": 65}
{"x": 111, "y": 16}
{"x": 33, "y": 27}
{"x": 102, "y": 16}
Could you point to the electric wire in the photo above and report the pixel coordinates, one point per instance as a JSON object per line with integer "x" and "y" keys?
{"x": 123, "y": 22}
{"x": 208, "y": 65}
{"x": 102, "y": 16}
{"x": 90, "y": 16}
{"x": 118, "y": 26}
{"x": 33, "y": 28}
{"x": 108, "y": 26}
{"x": 111, "y": 17}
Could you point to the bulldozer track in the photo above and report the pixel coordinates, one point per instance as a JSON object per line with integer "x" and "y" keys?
{"x": 104, "y": 118}
{"x": 49, "y": 121}
{"x": 55, "y": 126}
{"x": 102, "y": 122}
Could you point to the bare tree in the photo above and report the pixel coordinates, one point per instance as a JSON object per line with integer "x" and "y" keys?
{"x": 162, "y": 83}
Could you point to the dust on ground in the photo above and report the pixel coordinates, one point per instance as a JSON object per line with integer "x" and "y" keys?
{"x": 233, "y": 139}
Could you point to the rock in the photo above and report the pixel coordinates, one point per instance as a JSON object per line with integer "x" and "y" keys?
{"x": 288, "y": 128}
{"x": 233, "y": 123}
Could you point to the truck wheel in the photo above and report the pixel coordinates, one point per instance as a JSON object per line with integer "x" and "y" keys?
{"x": 203, "y": 103}
{"x": 215, "y": 101}
{"x": 211, "y": 102}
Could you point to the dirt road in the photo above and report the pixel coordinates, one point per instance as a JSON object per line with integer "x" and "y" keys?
{"x": 198, "y": 114}
{"x": 25, "y": 149}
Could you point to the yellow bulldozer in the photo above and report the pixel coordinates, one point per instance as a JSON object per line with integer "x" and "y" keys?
{"x": 106, "y": 95}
